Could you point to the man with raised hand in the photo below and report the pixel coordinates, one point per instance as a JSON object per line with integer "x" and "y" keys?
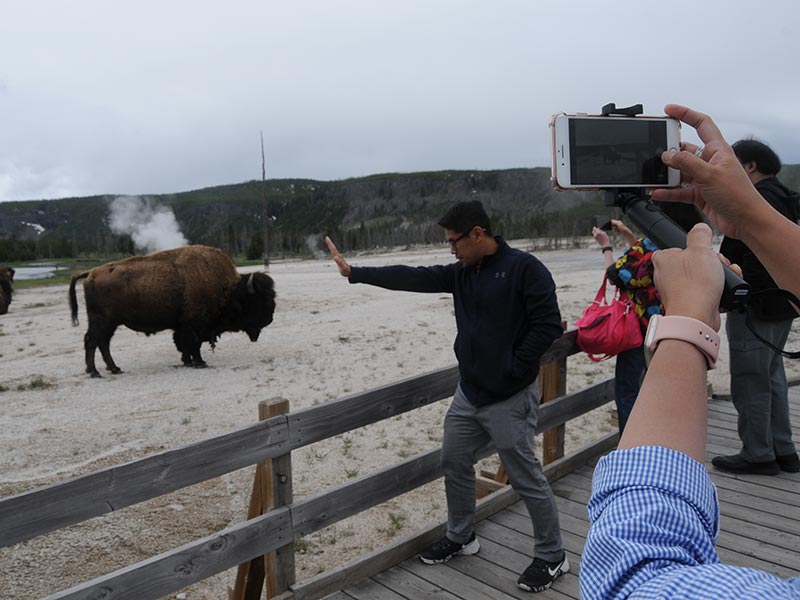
{"x": 507, "y": 316}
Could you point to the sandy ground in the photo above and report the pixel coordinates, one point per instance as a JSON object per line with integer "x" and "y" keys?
{"x": 328, "y": 339}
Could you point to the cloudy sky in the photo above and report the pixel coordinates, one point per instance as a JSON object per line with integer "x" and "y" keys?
{"x": 146, "y": 97}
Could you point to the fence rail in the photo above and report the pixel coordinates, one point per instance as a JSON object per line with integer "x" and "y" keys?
{"x": 40, "y": 511}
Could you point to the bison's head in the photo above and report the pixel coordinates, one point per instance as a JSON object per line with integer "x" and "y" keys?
{"x": 252, "y": 305}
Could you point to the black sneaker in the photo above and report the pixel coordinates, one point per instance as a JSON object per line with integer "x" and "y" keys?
{"x": 541, "y": 574}
{"x": 789, "y": 462}
{"x": 445, "y": 549}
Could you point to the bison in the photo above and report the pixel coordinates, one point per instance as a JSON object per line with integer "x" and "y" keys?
{"x": 6, "y": 288}
{"x": 195, "y": 291}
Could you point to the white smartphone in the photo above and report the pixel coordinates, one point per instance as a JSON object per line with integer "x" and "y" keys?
{"x": 592, "y": 152}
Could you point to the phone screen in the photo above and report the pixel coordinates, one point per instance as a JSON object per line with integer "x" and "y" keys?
{"x": 609, "y": 151}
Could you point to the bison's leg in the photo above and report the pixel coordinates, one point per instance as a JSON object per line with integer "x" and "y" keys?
{"x": 90, "y": 345}
{"x": 186, "y": 358}
{"x": 197, "y": 360}
{"x": 106, "y": 352}
{"x": 99, "y": 336}
{"x": 188, "y": 343}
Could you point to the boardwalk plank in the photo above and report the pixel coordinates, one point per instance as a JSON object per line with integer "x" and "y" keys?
{"x": 456, "y": 582}
{"x": 749, "y": 485}
{"x": 763, "y": 550}
{"x": 409, "y": 585}
{"x": 372, "y": 590}
{"x": 747, "y": 515}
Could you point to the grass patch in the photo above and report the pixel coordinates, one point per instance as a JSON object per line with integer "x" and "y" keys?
{"x": 397, "y": 521}
{"x": 37, "y": 383}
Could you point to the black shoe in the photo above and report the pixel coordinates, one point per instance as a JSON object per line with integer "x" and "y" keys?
{"x": 445, "y": 549}
{"x": 541, "y": 574}
{"x": 788, "y": 462}
{"x": 736, "y": 464}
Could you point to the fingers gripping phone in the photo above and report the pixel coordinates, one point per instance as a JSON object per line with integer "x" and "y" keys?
{"x": 592, "y": 152}
{"x": 602, "y": 222}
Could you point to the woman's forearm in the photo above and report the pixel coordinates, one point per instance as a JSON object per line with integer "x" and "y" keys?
{"x": 671, "y": 408}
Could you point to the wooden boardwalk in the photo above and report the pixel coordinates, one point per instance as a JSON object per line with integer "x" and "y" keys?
{"x": 760, "y": 528}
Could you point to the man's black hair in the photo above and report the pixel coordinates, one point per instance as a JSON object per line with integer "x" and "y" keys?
{"x": 465, "y": 216}
{"x": 750, "y": 150}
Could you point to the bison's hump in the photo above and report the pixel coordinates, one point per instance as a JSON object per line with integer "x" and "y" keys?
{"x": 196, "y": 280}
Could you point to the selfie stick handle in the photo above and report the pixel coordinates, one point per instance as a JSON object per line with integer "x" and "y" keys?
{"x": 665, "y": 233}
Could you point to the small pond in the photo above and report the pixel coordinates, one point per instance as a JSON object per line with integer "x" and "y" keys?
{"x": 36, "y": 271}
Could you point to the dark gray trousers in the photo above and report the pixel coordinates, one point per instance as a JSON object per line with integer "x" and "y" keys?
{"x": 511, "y": 425}
{"x": 758, "y": 388}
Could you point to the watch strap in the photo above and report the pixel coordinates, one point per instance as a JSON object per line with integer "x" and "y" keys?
{"x": 685, "y": 329}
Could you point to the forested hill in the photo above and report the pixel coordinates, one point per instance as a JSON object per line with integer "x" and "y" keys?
{"x": 379, "y": 210}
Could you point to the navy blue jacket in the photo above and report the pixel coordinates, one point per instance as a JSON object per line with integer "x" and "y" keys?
{"x": 506, "y": 314}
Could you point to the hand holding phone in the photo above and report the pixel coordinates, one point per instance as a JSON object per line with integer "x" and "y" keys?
{"x": 603, "y": 222}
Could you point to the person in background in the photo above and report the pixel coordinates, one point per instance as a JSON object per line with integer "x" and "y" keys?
{"x": 758, "y": 381}
{"x": 654, "y": 511}
{"x": 507, "y": 316}
{"x": 632, "y": 273}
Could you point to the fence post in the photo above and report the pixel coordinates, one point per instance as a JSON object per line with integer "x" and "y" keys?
{"x": 281, "y": 562}
{"x": 552, "y": 384}
{"x": 272, "y": 488}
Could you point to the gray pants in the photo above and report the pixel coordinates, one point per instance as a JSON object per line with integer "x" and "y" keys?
{"x": 758, "y": 388}
{"x": 511, "y": 425}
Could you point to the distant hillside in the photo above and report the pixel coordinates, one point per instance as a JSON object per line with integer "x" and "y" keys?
{"x": 380, "y": 210}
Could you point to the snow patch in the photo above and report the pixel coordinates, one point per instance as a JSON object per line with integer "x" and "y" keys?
{"x": 39, "y": 229}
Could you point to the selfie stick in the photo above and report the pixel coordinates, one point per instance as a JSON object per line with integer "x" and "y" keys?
{"x": 665, "y": 233}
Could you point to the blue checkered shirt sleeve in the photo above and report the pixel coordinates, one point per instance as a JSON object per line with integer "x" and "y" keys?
{"x": 654, "y": 522}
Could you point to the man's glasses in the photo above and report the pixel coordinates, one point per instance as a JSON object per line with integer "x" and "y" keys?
{"x": 454, "y": 243}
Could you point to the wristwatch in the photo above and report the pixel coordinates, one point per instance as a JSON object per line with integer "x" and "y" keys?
{"x": 685, "y": 329}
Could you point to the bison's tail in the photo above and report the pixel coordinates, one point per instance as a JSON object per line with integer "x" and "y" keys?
{"x": 73, "y": 300}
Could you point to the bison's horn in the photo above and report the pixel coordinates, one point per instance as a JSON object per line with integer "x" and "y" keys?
{"x": 250, "y": 289}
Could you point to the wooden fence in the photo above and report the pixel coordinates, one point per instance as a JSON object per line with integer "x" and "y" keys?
{"x": 53, "y": 507}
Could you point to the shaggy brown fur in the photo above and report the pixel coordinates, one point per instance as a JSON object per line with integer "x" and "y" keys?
{"x": 195, "y": 291}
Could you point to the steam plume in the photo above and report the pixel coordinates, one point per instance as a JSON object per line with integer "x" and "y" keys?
{"x": 313, "y": 243}
{"x": 152, "y": 228}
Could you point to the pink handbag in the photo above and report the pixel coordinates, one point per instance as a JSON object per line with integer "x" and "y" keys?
{"x": 606, "y": 329}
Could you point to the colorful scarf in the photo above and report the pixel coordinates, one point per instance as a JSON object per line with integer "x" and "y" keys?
{"x": 632, "y": 273}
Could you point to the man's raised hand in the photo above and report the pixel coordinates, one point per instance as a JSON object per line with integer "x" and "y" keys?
{"x": 344, "y": 268}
